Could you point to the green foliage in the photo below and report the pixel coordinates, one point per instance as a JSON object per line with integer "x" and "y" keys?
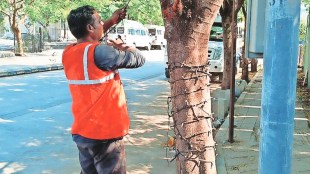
{"x": 306, "y": 2}
{"x": 3, "y": 4}
{"x": 1, "y": 23}
{"x": 46, "y": 12}
{"x": 302, "y": 31}
{"x": 8, "y": 7}
{"x": 144, "y": 11}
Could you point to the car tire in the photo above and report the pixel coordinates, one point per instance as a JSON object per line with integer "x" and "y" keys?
{"x": 221, "y": 77}
{"x": 167, "y": 74}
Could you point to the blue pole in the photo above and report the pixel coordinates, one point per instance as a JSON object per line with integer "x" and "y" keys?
{"x": 279, "y": 86}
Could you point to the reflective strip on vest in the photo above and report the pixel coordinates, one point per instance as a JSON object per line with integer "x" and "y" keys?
{"x": 85, "y": 68}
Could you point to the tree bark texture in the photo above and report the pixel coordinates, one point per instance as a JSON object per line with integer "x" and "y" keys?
{"x": 254, "y": 65}
{"x": 227, "y": 41}
{"x": 20, "y": 45}
{"x": 188, "y": 24}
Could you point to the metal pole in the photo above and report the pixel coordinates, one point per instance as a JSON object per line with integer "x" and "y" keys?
{"x": 40, "y": 39}
{"x": 14, "y": 43}
{"x": 232, "y": 80}
{"x": 279, "y": 86}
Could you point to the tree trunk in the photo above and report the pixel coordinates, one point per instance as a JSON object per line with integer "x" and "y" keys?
{"x": 245, "y": 69}
{"x": 20, "y": 46}
{"x": 226, "y": 22}
{"x": 65, "y": 31}
{"x": 254, "y": 65}
{"x": 226, "y": 14}
{"x": 49, "y": 38}
{"x": 245, "y": 61}
{"x": 188, "y": 25}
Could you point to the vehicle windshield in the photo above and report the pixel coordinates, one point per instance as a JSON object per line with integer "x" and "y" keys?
{"x": 120, "y": 30}
{"x": 152, "y": 32}
{"x": 216, "y": 33}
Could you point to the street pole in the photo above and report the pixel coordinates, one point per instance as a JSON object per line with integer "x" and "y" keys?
{"x": 232, "y": 80}
{"x": 279, "y": 86}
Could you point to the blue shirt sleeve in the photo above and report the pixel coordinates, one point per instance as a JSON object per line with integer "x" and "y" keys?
{"x": 108, "y": 59}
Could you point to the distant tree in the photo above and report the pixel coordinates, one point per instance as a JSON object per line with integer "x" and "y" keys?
{"x": 302, "y": 31}
{"x": 16, "y": 11}
{"x": 226, "y": 14}
{"x": 2, "y": 28}
{"x": 46, "y": 12}
{"x": 303, "y": 26}
{"x": 245, "y": 61}
{"x": 144, "y": 11}
{"x": 306, "y": 2}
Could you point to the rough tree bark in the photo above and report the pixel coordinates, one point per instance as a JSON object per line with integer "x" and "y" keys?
{"x": 226, "y": 14}
{"x": 188, "y": 24}
{"x": 254, "y": 65}
{"x": 18, "y": 36}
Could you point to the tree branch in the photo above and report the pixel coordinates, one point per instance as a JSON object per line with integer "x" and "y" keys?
{"x": 244, "y": 11}
{"x": 239, "y": 4}
{"x": 19, "y": 1}
{"x": 5, "y": 13}
{"x": 32, "y": 1}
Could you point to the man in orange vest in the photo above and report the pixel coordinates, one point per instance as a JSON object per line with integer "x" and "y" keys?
{"x": 98, "y": 100}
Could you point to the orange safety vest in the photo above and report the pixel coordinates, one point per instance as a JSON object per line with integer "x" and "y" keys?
{"x": 98, "y": 99}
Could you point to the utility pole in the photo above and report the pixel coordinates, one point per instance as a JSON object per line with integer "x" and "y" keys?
{"x": 232, "y": 70}
{"x": 279, "y": 86}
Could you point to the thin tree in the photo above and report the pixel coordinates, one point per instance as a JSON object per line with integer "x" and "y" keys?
{"x": 245, "y": 61}
{"x": 15, "y": 10}
{"x": 226, "y": 13}
{"x": 188, "y": 24}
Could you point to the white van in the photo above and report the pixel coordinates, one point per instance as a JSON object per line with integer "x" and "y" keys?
{"x": 156, "y": 33}
{"x": 133, "y": 33}
{"x": 216, "y": 50}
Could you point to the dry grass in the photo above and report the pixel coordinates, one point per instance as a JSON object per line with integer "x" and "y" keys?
{"x": 303, "y": 95}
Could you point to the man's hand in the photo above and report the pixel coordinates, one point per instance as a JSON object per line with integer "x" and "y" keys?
{"x": 119, "y": 44}
{"x": 119, "y": 15}
{"x": 116, "y": 17}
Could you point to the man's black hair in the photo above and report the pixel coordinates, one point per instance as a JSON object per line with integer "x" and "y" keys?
{"x": 79, "y": 18}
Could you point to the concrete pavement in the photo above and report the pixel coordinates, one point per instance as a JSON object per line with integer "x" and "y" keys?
{"x": 31, "y": 63}
{"x": 242, "y": 156}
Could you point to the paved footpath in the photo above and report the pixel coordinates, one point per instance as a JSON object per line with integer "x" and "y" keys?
{"x": 242, "y": 155}
{"x": 31, "y": 63}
